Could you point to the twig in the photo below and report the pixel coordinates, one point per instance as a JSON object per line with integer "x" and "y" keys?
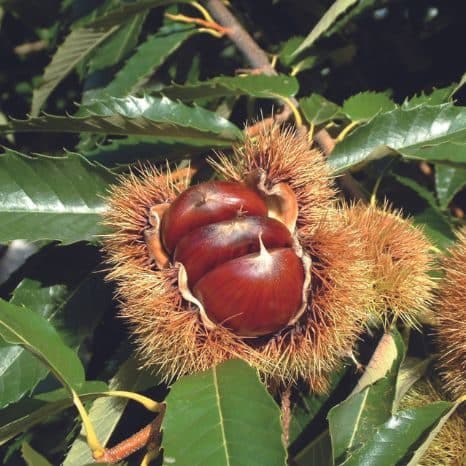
{"x": 258, "y": 59}
{"x": 143, "y": 438}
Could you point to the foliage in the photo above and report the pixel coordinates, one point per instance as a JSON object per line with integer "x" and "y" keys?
{"x": 89, "y": 91}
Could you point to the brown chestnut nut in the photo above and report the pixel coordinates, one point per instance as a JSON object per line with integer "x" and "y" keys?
{"x": 239, "y": 266}
{"x": 255, "y": 294}
{"x": 207, "y": 203}
{"x": 209, "y": 246}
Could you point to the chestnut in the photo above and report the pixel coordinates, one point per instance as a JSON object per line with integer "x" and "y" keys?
{"x": 209, "y": 246}
{"x": 241, "y": 267}
{"x": 254, "y": 295}
{"x": 206, "y": 203}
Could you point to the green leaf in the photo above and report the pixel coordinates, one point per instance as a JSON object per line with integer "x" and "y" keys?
{"x": 149, "y": 56}
{"x": 24, "y": 415}
{"x": 434, "y": 222}
{"x": 32, "y": 457}
{"x": 433, "y": 133}
{"x": 448, "y": 181}
{"x": 416, "y": 458}
{"x": 316, "y": 453}
{"x": 410, "y": 372}
{"x": 354, "y": 421}
{"x": 261, "y": 86}
{"x": 77, "y": 46}
{"x": 147, "y": 116}
{"x": 366, "y": 105}
{"x": 74, "y": 310}
{"x": 118, "y": 46}
{"x": 21, "y": 326}
{"x": 399, "y": 436}
{"x": 106, "y": 412}
{"x": 51, "y": 198}
{"x": 436, "y": 97}
{"x": 236, "y": 420}
{"x": 330, "y": 16}
{"x": 310, "y": 404}
{"x": 318, "y": 109}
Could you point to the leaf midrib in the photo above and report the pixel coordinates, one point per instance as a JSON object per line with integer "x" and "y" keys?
{"x": 222, "y": 429}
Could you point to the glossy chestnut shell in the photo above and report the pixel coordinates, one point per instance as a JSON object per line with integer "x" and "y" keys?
{"x": 241, "y": 267}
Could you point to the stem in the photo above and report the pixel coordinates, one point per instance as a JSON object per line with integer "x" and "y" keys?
{"x": 258, "y": 59}
{"x": 146, "y": 437}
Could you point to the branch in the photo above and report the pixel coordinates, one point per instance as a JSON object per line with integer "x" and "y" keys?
{"x": 258, "y": 59}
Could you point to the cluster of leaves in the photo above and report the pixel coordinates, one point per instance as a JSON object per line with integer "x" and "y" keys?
{"x": 156, "y": 89}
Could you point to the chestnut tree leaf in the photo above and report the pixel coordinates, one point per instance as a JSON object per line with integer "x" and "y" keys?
{"x": 432, "y": 133}
{"x": 420, "y": 450}
{"x": 77, "y": 46}
{"x": 21, "y": 326}
{"x": 318, "y": 452}
{"x": 116, "y": 47}
{"x": 327, "y": 20}
{"x": 147, "y": 58}
{"x": 85, "y": 37}
{"x": 29, "y": 412}
{"x": 397, "y": 439}
{"x": 433, "y": 221}
{"x": 448, "y": 181}
{"x": 366, "y": 105}
{"x": 261, "y": 86}
{"x": 317, "y": 109}
{"x": 56, "y": 198}
{"x": 222, "y": 417}
{"x": 355, "y": 420}
{"x": 74, "y": 309}
{"x": 310, "y": 404}
{"x": 146, "y": 116}
{"x": 33, "y": 457}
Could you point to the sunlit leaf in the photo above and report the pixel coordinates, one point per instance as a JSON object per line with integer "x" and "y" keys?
{"x": 227, "y": 431}
{"x": 399, "y": 436}
{"x": 147, "y": 116}
{"x": 433, "y": 133}
{"x": 416, "y": 458}
{"x": 51, "y": 198}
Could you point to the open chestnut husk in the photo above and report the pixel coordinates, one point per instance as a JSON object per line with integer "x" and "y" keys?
{"x": 260, "y": 266}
